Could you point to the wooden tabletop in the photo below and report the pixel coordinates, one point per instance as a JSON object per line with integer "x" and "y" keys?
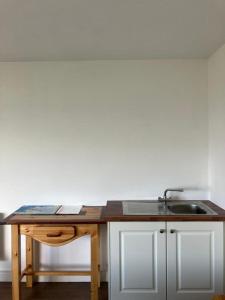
{"x": 88, "y": 215}
{"x": 114, "y": 212}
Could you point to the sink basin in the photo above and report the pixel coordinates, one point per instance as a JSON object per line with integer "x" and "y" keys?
{"x": 189, "y": 209}
{"x": 180, "y": 207}
{"x": 143, "y": 208}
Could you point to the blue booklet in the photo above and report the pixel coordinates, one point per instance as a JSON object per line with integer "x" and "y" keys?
{"x": 37, "y": 210}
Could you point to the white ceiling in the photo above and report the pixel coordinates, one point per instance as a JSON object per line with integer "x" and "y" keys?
{"x": 110, "y": 29}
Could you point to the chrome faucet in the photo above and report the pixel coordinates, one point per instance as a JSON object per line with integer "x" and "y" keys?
{"x": 165, "y": 198}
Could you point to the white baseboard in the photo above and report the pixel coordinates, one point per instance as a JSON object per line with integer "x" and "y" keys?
{"x": 5, "y": 276}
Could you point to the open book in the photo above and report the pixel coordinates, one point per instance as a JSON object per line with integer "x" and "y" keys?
{"x": 49, "y": 210}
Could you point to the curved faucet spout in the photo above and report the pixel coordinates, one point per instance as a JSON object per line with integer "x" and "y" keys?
{"x": 171, "y": 190}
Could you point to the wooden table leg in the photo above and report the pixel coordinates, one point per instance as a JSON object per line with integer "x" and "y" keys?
{"x": 16, "y": 262}
{"x": 94, "y": 262}
{"x": 99, "y": 271}
{"x": 29, "y": 260}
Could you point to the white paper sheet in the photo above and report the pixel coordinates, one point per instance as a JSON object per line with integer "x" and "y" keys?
{"x": 69, "y": 210}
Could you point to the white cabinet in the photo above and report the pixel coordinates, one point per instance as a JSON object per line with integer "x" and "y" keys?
{"x": 165, "y": 260}
{"x": 194, "y": 260}
{"x": 137, "y": 259}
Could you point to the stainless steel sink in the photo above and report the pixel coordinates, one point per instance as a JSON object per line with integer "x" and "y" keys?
{"x": 181, "y": 207}
{"x": 187, "y": 209}
{"x": 143, "y": 208}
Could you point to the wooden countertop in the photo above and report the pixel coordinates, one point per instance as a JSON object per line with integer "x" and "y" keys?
{"x": 88, "y": 215}
{"x": 114, "y": 212}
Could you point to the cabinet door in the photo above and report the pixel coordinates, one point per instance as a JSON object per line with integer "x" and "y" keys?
{"x": 194, "y": 260}
{"x": 137, "y": 261}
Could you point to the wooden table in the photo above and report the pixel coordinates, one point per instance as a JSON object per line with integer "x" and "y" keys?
{"x": 53, "y": 230}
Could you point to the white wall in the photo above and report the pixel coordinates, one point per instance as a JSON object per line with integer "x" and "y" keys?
{"x": 216, "y": 87}
{"x": 90, "y": 131}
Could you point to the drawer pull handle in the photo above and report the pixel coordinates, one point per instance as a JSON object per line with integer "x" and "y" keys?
{"x": 162, "y": 230}
{"x": 57, "y": 234}
{"x": 172, "y": 230}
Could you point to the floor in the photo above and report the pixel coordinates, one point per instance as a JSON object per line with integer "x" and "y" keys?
{"x": 56, "y": 291}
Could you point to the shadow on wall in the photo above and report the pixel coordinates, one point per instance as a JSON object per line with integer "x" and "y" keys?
{"x": 36, "y": 249}
{"x": 103, "y": 252}
{"x": 2, "y": 256}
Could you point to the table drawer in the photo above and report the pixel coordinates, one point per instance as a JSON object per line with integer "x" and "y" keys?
{"x": 51, "y": 235}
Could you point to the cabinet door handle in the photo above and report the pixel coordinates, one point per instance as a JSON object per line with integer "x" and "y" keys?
{"x": 172, "y": 230}
{"x": 56, "y": 234}
{"x": 162, "y": 230}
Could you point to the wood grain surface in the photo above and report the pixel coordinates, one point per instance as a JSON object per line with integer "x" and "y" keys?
{"x": 88, "y": 215}
{"x": 113, "y": 211}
